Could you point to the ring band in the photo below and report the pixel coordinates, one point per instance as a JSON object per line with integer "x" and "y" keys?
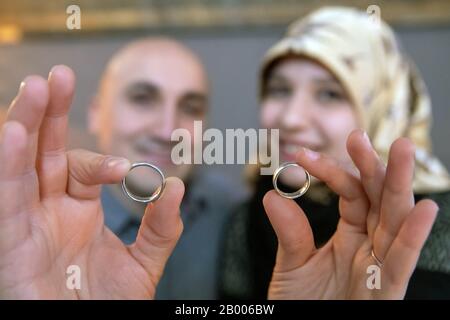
{"x": 378, "y": 261}
{"x": 295, "y": 194}
{"x": 155, "y": 196}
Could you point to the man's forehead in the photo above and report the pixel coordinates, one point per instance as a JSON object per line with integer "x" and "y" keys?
{"x": 148, "y": 87}
{"x": 161, "y": 65}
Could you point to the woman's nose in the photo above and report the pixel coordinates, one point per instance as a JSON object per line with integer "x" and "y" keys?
{"x": 297, "y": 112}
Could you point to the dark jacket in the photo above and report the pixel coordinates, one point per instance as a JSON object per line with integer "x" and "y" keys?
{"x": 192, "y": 269}
{"x": 250, "y": 246}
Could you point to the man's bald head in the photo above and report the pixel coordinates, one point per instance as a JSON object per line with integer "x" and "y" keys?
{"x": 150, "y": 88}
{"x": 160, "y": 50}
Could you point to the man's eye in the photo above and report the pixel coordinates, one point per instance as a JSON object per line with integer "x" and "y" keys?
{"x": 193, "y": 109}
{"x": 141, "y": 98}
{"x": 277, "y": 91}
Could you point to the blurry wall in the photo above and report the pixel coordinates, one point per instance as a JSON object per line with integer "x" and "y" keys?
{"x": 231, "y": 57}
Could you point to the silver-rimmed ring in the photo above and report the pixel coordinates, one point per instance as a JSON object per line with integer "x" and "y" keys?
{"x": 295, "y": 194}
{"x": 155, "y": 196}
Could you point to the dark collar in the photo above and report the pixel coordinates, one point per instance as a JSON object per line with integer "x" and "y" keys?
{"x": 116, "y": 215}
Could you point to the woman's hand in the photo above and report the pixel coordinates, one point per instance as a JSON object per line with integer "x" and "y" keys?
{"x": 377, "y": 213}
{"x": 51, "y": 216}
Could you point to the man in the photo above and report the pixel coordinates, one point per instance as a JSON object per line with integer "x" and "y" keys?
{"x": 150, "y": 88}
{"x": 52, "y": 216}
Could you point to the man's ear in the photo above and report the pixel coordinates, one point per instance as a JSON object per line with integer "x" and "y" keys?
{"x": 94, "y": 115}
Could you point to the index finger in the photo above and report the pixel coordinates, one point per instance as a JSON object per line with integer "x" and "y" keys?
{"x": 354, "y": 204}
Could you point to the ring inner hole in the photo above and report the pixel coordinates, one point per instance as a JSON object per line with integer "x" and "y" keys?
{"x": 143, "y": 181}
{"x": 291, "y": 179}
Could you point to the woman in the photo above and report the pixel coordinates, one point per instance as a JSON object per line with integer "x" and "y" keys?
{"x": 336, "y": 71}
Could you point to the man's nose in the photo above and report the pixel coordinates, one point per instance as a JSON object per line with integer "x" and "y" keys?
{"x": 297, "y": 112}
{"x": 166, "y": 123}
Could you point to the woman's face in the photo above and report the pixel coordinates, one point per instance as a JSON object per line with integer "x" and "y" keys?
{"x": 310, "y": 108}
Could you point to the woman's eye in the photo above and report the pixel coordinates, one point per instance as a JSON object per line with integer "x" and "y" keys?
{"x": 329, "y": 95}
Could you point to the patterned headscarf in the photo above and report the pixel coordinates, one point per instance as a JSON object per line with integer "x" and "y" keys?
{"x": 385, "y": 87}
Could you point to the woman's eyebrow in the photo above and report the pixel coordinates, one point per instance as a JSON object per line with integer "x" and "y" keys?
{"x": 327, "y": 80}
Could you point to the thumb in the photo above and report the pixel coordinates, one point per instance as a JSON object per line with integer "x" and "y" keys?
{"x": 295, "y": 237}
{"x": 160, "y": 230}
{"x": 89, "y": 170}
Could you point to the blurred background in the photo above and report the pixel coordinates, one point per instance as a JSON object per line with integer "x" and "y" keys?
{"x": 230, "y": 36}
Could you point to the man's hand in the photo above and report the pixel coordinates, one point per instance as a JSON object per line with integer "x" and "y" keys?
{"x": 51, "y": 216}
{"x": 377, "y": 213}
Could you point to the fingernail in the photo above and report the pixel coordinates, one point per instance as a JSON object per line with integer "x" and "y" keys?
{"x": 117, "y": 162}
{"x": 51, "y": 71}
{"x": 365, "y": 136}
{"x": 22, "y": 85}
{"x": 311, "y": 155}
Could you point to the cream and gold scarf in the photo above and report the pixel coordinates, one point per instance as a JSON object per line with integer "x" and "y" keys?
{"x": 385, "y": 87}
